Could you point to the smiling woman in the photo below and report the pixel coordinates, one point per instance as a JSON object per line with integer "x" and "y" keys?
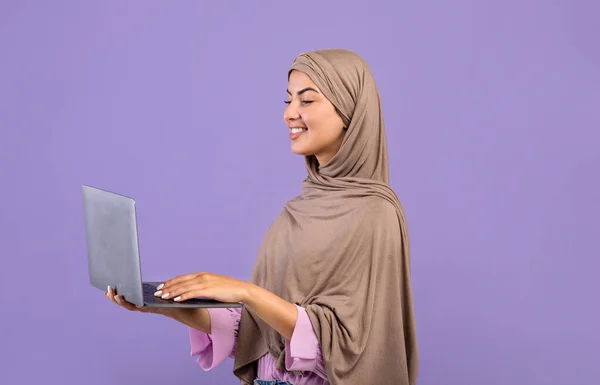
{"x": 315, "y": 126}
{"x": 330, "y": 298}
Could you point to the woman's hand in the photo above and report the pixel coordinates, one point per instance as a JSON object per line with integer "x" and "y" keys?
{"x": 281, "y": 315}
{"x": 119, "y": 300}
{"x": 278, "y": 313}
{"x": 206, "y": 285}
{"x": 197, "y": 318}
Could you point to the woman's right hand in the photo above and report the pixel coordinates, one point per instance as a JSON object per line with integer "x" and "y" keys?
{"x": 197, "y": 318}
{"x": 119, "y": 300}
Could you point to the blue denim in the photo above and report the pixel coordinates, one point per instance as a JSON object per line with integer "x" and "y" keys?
{"x": 271, "y": 382}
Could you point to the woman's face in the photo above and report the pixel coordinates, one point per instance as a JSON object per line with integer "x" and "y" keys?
{"x": 315, "y": 127}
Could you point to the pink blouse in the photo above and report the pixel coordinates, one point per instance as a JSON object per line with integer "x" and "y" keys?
{"x": 303, "y": 357}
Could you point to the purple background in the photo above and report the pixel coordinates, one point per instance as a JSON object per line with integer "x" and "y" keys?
{"x": 492, "y": 111}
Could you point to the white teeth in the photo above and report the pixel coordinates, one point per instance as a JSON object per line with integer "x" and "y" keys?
{"x": 296, "y": 130}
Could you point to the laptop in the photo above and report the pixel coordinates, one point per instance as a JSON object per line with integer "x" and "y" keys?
{"x": 113, "y": 251}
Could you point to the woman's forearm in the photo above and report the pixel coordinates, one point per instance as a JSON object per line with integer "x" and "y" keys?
{"x": 198, "y": 319}
{"x": 280, "y": 314}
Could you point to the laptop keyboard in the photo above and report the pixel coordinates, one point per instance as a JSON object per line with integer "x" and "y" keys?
{"x": 149, "y": 291}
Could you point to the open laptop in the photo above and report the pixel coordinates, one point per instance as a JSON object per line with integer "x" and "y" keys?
{"x": 113, "y": 251}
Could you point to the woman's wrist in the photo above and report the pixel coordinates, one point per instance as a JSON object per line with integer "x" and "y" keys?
{"x": 278, "y": 313}
{"x": 250, "y": 294}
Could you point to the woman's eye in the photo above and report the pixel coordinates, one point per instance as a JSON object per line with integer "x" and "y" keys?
{"x": 304, "y": 102}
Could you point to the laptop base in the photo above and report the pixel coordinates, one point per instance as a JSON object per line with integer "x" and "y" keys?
{"x": 150, "y": 300}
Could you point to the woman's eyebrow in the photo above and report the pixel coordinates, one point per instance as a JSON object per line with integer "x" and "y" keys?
{"x": 303, "y": 91}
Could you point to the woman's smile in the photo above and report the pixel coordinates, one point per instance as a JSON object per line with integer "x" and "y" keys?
{"x": 295, "y": 132}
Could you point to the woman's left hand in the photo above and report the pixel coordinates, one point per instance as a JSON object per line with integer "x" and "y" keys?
{"x": 206, "y": 285}
{"x": 280, "y": 314}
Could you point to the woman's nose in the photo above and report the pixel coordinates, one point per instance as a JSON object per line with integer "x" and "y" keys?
{"x": 290, "y": 113}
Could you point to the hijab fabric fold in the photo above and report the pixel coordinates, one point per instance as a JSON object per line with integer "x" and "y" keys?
{"x": 341, "y": 249}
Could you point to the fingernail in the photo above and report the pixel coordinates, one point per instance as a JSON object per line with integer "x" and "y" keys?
{"x": 177, "y": 299}
{"x": 117, "y": 298}
{"x": 158, "y": 293}
{"x": 108, "y": 289}
{"x": 160, "y": 286}
{"x": 165, "y": 295}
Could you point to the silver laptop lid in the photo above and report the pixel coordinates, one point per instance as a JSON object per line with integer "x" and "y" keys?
{"x": 112, "y": 243}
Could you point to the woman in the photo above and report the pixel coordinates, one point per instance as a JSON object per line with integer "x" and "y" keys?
{"x": 330, "y": 298}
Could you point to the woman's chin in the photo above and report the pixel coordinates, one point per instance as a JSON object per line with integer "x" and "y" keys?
{"x": 300, "y": 150}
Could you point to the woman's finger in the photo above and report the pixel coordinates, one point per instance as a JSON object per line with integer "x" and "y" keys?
{"x": 111, "y": 295}
{"x": 169, "y": 291}
{"x": 119, "y": 300}
{"x": 113, "y": 299}
{"x": 198, "y": 293}
{"x": 178, "y": 290}
{"x": 126, "y": 304}
{"x": 179, "y": 280}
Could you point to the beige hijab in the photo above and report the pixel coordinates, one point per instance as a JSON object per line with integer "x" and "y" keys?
{"x": 340, "y": 249}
